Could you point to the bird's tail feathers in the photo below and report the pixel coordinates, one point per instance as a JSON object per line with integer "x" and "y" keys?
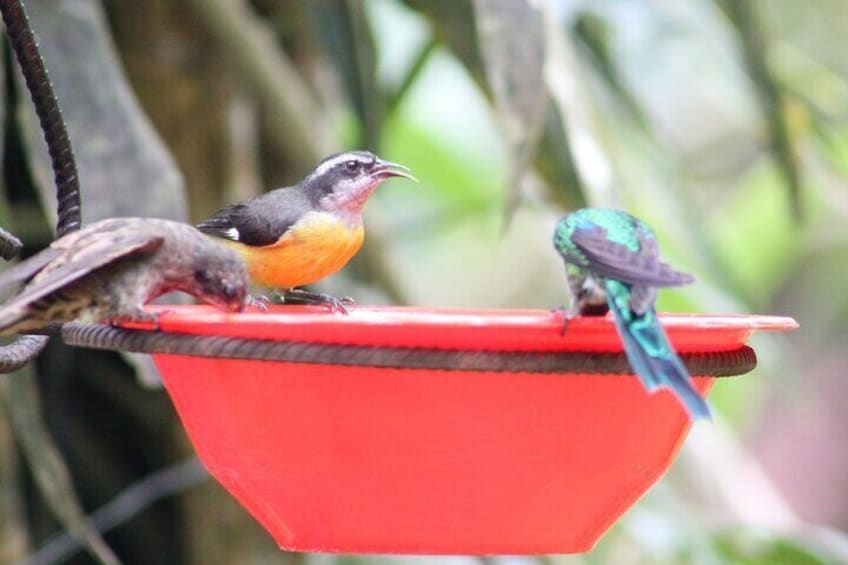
{"x": 675, "y": 375}
{"x": 653, "y": 359}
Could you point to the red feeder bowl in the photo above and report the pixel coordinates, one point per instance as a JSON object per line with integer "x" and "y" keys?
{"x": 336, "y": 458}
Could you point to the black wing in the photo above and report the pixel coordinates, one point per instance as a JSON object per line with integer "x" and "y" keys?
{"x": 92, "y": 253}
{"x": 259, "y": 221}
{"x": 616, "y": 261}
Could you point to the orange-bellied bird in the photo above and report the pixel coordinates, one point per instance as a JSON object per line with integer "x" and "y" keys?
{"x": 297, "y": 235}
{"x": 109, "y": 269}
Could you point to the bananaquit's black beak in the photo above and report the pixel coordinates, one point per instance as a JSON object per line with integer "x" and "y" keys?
{"x": 386, "y": 169}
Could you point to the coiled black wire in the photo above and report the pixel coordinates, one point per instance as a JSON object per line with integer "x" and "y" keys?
{"x": 25, "y": 46}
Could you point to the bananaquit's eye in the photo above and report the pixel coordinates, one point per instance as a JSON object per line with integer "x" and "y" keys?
{"x": 352, "y": 166}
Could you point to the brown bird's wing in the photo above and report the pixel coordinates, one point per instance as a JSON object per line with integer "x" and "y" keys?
{"x": 616, "y": 261}
{"x": 259, "y": 221}
{"x": 26, "y": 269}
{"x": 95, "y": 252}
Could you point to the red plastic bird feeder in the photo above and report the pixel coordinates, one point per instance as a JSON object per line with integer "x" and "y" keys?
{"x": 355, "y": 455}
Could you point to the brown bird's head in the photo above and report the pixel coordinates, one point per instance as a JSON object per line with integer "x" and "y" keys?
{"x": 220, "y": 279}
{"x": 343, "y": 182}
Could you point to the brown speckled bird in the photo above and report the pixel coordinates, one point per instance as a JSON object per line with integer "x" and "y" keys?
{"x": 110, "y": 269}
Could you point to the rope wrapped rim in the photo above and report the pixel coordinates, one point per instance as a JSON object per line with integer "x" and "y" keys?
{"x": 98, "y": 336}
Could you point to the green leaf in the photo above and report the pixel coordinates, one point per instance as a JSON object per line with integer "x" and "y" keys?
{"x": 746, "y": 22}
{"x": 511, "y": 35}
{"x": 454, "y": 26}
{"x": 344, "y": 29}
{"x": 555, "y": 163}
{"x": 593, "y": 34}
{"x": 757, "y": 244}
{"x": 745, "y": 549}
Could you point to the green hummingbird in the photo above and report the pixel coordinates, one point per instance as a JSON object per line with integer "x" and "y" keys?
{"x": 612, "y": 263}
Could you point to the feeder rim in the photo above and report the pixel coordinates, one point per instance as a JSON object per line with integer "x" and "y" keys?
{"x": 99, "y": 336}
{"x": 414, "y": 316}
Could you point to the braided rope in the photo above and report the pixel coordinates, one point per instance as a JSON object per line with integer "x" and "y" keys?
{"x": 98, "y": 336}
{"x": 49, "y": 114}
{"x": 10, "y": 245}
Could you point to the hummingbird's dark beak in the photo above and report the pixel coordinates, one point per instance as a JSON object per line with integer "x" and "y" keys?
{"x": 385, "y": 169}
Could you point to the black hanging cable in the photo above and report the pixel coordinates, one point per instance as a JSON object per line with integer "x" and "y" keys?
{"x": 25, "y": 46}
{"x": 10, "y": 245}
{"x": 49, "y": 115}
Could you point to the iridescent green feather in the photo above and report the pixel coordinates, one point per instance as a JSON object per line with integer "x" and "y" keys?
{"x": 602, "y": 233}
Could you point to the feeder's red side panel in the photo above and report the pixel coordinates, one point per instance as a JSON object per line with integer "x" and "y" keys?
{"x": 366, "y": 460}
{"x": 363, "y": 461}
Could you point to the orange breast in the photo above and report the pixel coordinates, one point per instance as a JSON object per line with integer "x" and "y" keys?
{"x": 319, "y": 246}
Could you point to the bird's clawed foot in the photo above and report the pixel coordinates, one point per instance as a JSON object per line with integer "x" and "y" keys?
{"x": 568, "y": 314}
{"x": 301, "y": 296}
{"x": 259, "y": 301}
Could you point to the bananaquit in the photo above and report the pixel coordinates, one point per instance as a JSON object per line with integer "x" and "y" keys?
{"x": 297, "y": 235}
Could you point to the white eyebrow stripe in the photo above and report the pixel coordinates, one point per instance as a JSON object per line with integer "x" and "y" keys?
{"x": 329, "y": 164}
{"x": 341, "y": 158}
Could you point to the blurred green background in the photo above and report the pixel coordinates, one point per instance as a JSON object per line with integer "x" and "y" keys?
{"x": 722, "y": 123}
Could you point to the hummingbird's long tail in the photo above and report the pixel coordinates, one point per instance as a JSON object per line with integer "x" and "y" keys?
{"x": 651, "y": 355}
